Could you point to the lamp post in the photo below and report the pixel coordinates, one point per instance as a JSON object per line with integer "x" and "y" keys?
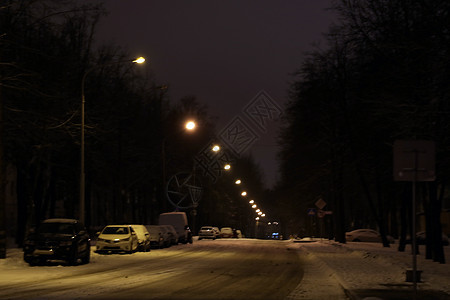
{"x": 138, "y": 60}
{"x": 189, "y": 126}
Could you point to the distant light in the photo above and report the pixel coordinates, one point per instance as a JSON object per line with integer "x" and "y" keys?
{"x": 251, "y": 201}
{"x": 216, "y": 148}
{"x": 254, "y": 206}
{"x": 190, "y": 125}
{"x": 258, "y": 210}
{"x": 139, "y": 60}
{"x": 257, "y": 218}
{"x": 244, "y": 193}
{"x": 260, "y": 213}
{"x": 227, "y": 167}
{"x": 263, "y": 215}
{"x": 238, "y": 181}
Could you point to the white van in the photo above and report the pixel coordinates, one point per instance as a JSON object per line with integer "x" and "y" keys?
{"x": 179, "y": 221}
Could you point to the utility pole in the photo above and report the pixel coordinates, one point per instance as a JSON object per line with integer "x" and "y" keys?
{"x": 2, "y": 190}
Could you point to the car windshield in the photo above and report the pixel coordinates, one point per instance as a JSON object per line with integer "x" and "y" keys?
{"x": 115, "y": 230}
{"x": 61, "y": 228}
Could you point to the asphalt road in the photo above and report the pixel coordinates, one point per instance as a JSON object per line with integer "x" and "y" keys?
{"x": 220, "y": 269}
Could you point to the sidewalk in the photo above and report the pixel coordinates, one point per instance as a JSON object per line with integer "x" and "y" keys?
{"x": 365, "y": 270}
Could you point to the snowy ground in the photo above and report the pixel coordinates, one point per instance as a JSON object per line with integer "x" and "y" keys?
{"x": 358, "y": 269}
{"x": 369, "y": 269}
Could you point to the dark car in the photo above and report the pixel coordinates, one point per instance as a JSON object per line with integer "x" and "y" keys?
{"x": 58, "y": 239}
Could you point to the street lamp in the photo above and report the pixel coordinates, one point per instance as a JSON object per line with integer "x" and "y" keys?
{"x": 138, "y": 60}
{"x": 190, "y": 125}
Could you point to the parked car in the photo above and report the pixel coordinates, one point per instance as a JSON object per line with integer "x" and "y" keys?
{"x": 156, "y": 236}
{"x": 117, "y": 238}
{"x": 226, "y": 232}
{"x": 179, "y": 221}
{"x": 207, "y": 232}
{"x": 58, "y": 239}
{"x": 366, "y": 235}
{"x": 172, "y": 234}
{"x": 167, "y": 235}
{"x": 421, "y": 239}
{"x": 217, "y": 230}
{"x": 143, "y": 237}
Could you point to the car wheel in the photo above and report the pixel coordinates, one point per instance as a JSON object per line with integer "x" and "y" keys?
{"x": 73, "y": 258}
{"x": 87, "y": 256}
{"x": 34, "y": 261}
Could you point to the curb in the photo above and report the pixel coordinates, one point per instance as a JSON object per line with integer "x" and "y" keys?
{"x": 335, "y": 275}
{"x": 315, "y": 268}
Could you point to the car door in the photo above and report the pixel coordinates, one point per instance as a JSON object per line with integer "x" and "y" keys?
{"x": 134, "y": 239}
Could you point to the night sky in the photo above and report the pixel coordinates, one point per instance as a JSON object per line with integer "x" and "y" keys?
{"x": 221, "y": 52}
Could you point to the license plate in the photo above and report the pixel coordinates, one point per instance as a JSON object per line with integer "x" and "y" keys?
{"x": 43, "y": 252}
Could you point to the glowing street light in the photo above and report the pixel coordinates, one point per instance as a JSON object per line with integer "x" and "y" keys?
{"x": 260, "y": 213}
{"x": 138, "y": 60}
{"x": 254, "y": 206}
{"x": 216, "y": 148}
{"x": 244, "y": 193}
{"x": 251, "y": 201}
{"x": 257, "y": 218}
{"x": 227, "y": 167}
{"x": 238, "y": 181}
{"x": 190, "y": 125}
{"x": 263, "y": 215}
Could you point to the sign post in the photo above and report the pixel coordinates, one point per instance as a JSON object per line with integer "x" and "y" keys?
{"x": 414, "y": 161}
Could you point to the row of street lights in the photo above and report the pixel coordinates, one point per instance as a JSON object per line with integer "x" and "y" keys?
{"x": 189, "y": 126}
{"x": 227, "y": 167}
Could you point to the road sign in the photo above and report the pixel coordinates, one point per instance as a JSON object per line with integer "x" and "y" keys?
{"x": 320, "y": 213}
{"x": 311, "y": 211}
{"x": 320, "y": 203}
{"x": 414, "y": 160}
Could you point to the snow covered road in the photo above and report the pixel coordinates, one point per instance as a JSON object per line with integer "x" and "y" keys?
{"x": 220, "y": 269}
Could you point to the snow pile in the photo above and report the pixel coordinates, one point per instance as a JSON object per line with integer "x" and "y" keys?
{"x": 359, "y": 266}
